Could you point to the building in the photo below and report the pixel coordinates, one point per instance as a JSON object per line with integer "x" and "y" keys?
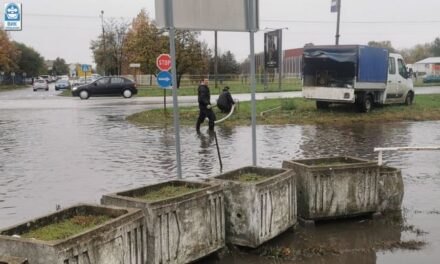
{"x": 292, "y": 63}
{"x": 429, "y": 66}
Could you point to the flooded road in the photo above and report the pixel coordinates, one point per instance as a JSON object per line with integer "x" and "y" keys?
{"x": 62, "y": 156}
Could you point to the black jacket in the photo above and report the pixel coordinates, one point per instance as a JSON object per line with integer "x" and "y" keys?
{"x": 225, "y": 100}
{"x": 204, "y": 96}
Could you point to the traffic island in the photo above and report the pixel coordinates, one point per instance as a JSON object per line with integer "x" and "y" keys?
{"x": 80, "y": 234}
{"x": 339, "y": 187}
{"x": 185, "y": 220}
{"x": 260, "y": 204}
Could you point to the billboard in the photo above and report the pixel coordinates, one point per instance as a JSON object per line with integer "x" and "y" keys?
{"x": 212, "y": 15}
{"x": 12, "y": 17}
{"x": 272, "y": 49}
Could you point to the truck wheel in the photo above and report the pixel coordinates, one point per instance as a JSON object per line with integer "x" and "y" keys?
{"x": 366, "y": 104}
{"x": 322, "y": 105}
{"x": 409, "y": 99}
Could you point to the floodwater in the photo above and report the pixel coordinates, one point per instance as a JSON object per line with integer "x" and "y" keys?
{"x": 51, "y": 157}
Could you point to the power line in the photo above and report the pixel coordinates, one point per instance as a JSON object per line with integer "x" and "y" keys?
{"x": 70, "y": 16}
{"x": 351, "y": 22}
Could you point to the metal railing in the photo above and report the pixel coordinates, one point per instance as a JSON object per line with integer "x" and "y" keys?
{"x": 381, "y": 150}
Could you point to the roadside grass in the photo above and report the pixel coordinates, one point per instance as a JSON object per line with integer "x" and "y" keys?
{"x": 12, "y": 87}
{"x": 236, "y": 87}
{"x": 66, "y": 92}
{"x": 301, "y": 111}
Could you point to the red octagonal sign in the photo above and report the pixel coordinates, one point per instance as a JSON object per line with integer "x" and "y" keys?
{"x": 163, "y": 62}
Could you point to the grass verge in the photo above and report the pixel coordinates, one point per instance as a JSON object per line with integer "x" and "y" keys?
{"x": 12, "y": 87}
{"x": 66, "y": 228}
{"x": 301, "y": 111}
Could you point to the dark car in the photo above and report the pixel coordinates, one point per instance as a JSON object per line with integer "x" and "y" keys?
{"x": 106, "y": 86}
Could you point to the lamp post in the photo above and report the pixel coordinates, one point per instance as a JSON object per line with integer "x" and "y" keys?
{"x": 103, "y": 43}
{"x": 338, "y": 22}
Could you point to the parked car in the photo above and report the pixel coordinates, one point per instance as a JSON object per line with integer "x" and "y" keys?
{"x": 82, "y": 81}
{"x": 40, "y": 84}
{"x": 431, "y": 79}
{"x": 106, "y": 86}
{"x": 62, "y": 84}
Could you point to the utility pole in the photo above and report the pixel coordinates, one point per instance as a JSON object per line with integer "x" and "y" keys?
{"x": 103, "y": 41}
{"x": 216, "y": 61}
{"x": 338, "y": 22}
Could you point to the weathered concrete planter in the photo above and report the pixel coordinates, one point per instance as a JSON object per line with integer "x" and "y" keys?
{"x": 391, "y": 189}
{"x": 335, "y": 187}
{"x": 119, "y": 240}
{"x": 258, "y": 211}
{"x": 12, "y": 260}
{"x": 180, "y": 229}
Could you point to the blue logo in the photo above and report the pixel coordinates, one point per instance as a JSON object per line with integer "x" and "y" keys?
{"x": 12, "y": 12}
{"x": 164, "y": 79}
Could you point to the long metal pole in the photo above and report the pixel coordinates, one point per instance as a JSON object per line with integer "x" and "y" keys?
{"x": 280, "y": 59}
{"x": 103, "y": 41}
{"x": 216, "y": 61}
{"x": 253, "y": 84}
{"x": 170, "y": 17}
{"x": 338, "y": 22}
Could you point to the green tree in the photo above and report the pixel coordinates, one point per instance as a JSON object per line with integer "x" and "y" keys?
{"x": 417, "y": 53}
{"x": 382, "y": 44}
{"x": 8, "y": 53}
{"x": 109, "y": 50}
{"x": 60, "y": 67}
{"x": 145, "y": 42}
{"x": 435, "y": 48}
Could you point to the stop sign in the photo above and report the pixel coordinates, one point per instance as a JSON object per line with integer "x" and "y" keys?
{"x": 163, "y": 62}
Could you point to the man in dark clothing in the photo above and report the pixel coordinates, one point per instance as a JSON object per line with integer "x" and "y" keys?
{"x": 205, "y": 106}
{"x": 225, "y": 101}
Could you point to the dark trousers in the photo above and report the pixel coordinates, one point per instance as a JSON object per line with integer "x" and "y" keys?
{"x": 225, "y": 108}
{"x": 204, "y": 113}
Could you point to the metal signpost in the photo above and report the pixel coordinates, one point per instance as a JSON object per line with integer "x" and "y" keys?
{"x": 164, "y": 79}
{"x": 336, "y": 8}
{"x": 13, "y": 17}
{"x": 85, "y": 69}
{"x": 211, "y": 15}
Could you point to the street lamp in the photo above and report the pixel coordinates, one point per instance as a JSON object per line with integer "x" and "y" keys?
{"x": 103, "y": 43}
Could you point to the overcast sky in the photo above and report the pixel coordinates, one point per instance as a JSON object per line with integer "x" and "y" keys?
{"x": 64, "y": 28}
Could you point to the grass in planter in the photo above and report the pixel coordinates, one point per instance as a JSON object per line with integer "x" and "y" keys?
{"x": 67, "y": 228}
{"x": 250, "y": 177}
{"x": 167, "y": 192}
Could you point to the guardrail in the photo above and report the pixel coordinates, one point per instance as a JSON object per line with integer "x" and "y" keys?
{"x": 381, "y": 150}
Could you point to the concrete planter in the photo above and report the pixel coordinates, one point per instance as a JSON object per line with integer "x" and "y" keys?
{"x": 119, "y": 240}
{"x": 12, "y": 260}
{"x": 391, "y": 189}
{"x": 180, "y": 229}
{"x": 258, "y": 211}
{"x": 336, "y": 187}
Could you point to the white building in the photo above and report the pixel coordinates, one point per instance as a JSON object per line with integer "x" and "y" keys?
{"x": 429, "y": 66}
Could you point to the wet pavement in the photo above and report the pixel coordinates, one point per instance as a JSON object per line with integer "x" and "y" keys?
{"x": 61, "y": 151}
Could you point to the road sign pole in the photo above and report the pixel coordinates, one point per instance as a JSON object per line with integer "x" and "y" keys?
{"x": 280, "y": 60}
{"x": 169, "y": 16}
{"x": 253, "y": 84}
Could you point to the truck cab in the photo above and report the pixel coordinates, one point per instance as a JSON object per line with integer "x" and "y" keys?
{"x": 355, "y": 74}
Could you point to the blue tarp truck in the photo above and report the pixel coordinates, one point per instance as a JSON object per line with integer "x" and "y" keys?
{"x": 355, "y": 74}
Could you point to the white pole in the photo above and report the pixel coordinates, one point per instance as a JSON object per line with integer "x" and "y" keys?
{"x": 253, "y": 83}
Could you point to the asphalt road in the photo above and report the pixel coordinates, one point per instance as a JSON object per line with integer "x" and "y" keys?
{"x": 27, "y": 99}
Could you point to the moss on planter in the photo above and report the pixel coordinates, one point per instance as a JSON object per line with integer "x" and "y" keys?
{"x": 167, "y": 192}
{"x": 250, "y": 177}
{"x": 66, "y": 228}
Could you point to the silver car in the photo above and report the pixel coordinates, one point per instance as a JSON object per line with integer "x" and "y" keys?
{"x": 40, "y": 84}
